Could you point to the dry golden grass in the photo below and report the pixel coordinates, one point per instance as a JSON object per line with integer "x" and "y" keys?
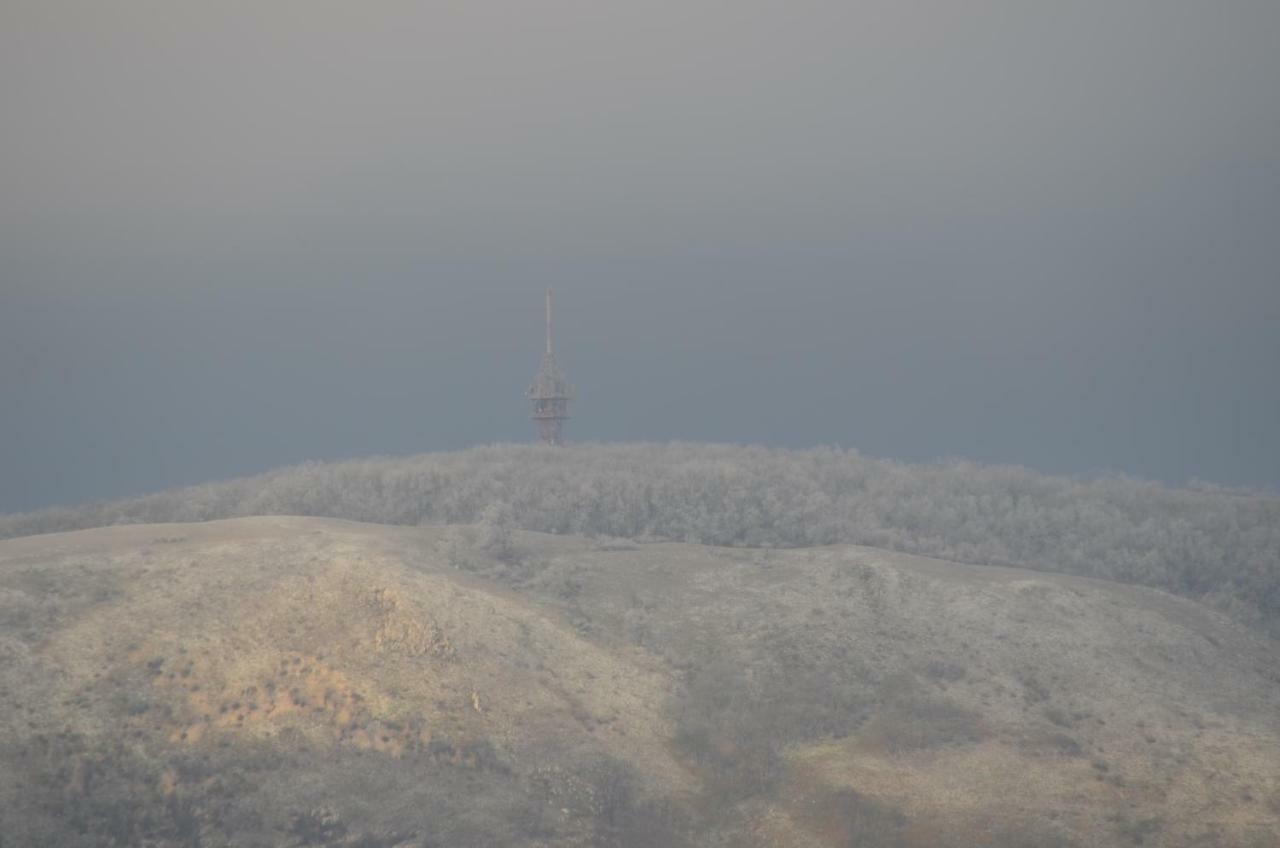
{"x": 840, "y": 696}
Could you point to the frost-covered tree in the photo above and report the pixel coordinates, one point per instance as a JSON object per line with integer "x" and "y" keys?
{"x": 1218, "y": 544}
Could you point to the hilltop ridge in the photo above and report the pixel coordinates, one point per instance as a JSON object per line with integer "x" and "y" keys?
{"x": 1220, "y": 546}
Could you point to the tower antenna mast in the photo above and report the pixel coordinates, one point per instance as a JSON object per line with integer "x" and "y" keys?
{"x": 550, "y": 393}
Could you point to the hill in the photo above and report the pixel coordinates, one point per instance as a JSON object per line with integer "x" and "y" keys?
{"x": 306, "y": 681}
{"x": 1217, "y": 545}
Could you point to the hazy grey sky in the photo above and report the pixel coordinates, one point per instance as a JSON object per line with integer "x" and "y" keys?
{"x": 239, "y": 235}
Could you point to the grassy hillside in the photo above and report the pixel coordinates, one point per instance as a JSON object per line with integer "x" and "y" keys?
{"x": 301, "y": 681}
{"x": 1219, "y": 546}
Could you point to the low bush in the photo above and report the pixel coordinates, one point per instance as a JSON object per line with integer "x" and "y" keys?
{"x": 1217, "y": 544}
{"x": 911, "y": 718}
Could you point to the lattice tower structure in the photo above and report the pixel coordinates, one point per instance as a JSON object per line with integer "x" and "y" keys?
{"x": 550, "y": 393}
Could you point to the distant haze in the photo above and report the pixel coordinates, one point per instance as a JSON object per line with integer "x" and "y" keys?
{"x": 240, "y": 235}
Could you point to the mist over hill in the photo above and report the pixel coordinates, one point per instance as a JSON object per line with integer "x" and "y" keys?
{"x": 1221, "y": 546}
{"x": 238, "y": 237}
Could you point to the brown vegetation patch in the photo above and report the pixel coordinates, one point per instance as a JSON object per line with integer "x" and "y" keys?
{"x": 402, "y": 630}
{"x": 297, "y": 687}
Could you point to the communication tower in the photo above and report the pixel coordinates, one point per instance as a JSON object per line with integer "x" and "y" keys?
{"x": 550, "y": 393}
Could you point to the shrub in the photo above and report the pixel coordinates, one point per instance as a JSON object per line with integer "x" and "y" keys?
{"x": 913, "y": 719}
{"x": 1219, "y": 544}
